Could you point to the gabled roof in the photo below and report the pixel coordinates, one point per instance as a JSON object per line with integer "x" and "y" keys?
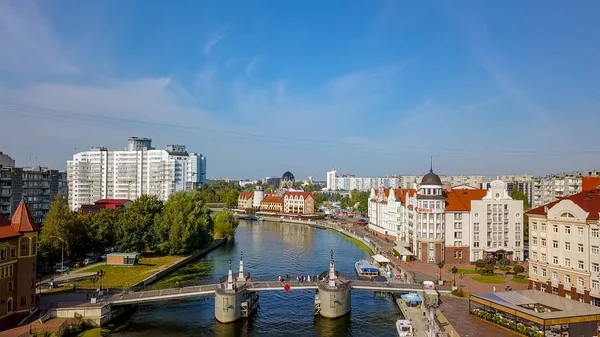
{"x": 273, "y": 198}
{"x": 589, "y": 201}
{"x": 400, "y": 193}
{"x": 459, "y": 200}
{"x": 22, "y": 221}
{"x": 6, "y": 230}
{"x": 246, "y": 195}
{"x": 297, "y": 194}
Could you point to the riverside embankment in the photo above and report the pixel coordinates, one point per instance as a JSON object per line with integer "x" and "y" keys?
{"x": 373, "y": 243}
{"x": 270, "y": 249}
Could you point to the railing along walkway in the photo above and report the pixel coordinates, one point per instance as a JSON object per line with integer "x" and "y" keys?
{"x": 209, "y": 289}
{"x": 159, "y": 294}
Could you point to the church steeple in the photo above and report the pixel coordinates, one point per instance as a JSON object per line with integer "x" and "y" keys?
{"x": 431, "y": 164}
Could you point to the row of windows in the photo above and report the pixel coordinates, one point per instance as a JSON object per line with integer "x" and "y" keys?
{"x": 595, "y": 232}
{"x": 9, "y": 303}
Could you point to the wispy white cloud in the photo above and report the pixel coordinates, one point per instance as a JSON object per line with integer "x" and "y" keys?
{"x": 252, "y": 65}
{"x": 27, "y": 42}
{"x": 364, "y": 80}
{"x": 211, "y": 43}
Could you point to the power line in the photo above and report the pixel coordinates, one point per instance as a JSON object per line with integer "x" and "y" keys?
{"x": 63, "y": 116}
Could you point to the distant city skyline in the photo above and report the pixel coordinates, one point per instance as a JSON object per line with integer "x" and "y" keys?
{"x": 263, "y": 87}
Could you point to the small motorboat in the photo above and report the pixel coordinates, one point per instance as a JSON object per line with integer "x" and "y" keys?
{"x": 404, "y": 328}
{"x": 365, "y": 270}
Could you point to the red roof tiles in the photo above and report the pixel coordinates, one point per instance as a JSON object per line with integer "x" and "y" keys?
{"x": 246, "y": 195}
{"x": 119, "y": 202}
{"x": 22, "y": 221}
{"x": 6, "y": 230}
{"x": 590, "y": 183}
{"x": 273, "y": 198}
{"x": 589, "y": 201}
{"x": 293, "y": 194}
{"x": 459, "y": 200}
{"x": 400, "y": 193}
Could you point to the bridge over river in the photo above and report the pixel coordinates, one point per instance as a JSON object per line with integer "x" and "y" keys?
{"x": 237, "y": 297}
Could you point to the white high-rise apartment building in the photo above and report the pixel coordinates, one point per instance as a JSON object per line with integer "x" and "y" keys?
{"x": 348, "y": 182}
{"x": 331, "y": 180}
{"x": 139, "y": 169}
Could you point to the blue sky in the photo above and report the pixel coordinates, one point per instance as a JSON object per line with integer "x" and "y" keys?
{"x": 260, "y": 87}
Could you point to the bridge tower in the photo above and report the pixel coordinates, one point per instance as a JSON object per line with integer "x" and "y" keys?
{"x": 241, "y": 277}
{"x": 232, "y": 299}
{"x": 333, "y": 298}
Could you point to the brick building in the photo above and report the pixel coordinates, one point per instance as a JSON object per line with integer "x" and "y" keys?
{"x": 18, "y": 253}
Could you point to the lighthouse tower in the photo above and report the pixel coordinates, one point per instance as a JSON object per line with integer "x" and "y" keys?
{"x": 259, "y": 195}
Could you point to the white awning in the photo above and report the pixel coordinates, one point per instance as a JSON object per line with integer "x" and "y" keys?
{"x": 380, "y": 259}
{"x": 403, "y": 251}
{"x": 402, "y": 243}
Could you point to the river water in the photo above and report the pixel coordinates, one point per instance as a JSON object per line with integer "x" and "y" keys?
{"x": 270, "y": 249}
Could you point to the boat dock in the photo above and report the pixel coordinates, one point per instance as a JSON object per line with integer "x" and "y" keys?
{"x": 415, "y": 315}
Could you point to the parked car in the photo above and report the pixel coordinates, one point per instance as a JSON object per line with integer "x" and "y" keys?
{"x": 91, "y": 260}
{"x": 62, "y": 270}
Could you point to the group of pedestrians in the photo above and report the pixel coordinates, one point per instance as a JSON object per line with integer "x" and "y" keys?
{"x": 300, "y": 278}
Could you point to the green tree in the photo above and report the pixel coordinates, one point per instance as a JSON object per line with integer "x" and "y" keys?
{"x": 62, "y": 223}
{"x": 225, "y": 225}
{"x": 185, "y": 225}
{"x": 480, "y": 263}
{"x": 345, "y": 202}
{"x": 319, "y": 199}
{"x": 208, "y": 193}
{"x": 102, "y": 227}
{"x": 134, "y": 228}
{"x": 441, "y": 265}
{"x": 518, "y": 269}
{"x": 309, "y": 187}
{"x": 229, "y": 196}
{"x": 360, "y": 200}
{"x": 249, "y": 188}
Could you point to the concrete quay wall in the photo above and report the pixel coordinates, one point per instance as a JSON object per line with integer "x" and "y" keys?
{"x": 170, "y": 269}
{"x": 372, "y": 245}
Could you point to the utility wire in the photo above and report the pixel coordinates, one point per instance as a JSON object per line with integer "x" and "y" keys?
{"x": 237, "y": 137}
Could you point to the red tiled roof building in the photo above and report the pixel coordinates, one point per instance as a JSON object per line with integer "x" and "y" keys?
{"x": 564, "y": 247}
{"x": 18, "y": 255}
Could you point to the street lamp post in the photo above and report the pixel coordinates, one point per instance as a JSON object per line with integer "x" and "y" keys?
{"x": 62, "y": 251}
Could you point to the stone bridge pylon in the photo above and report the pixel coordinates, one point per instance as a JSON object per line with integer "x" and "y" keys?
{"x": 237, "y": 297}
{"x": 233, "y": 300}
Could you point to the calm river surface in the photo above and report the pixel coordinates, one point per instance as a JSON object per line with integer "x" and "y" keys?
{"x": 270, "y": 249}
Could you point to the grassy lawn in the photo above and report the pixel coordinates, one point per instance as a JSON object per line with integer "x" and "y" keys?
{"x": 122, "y": 277}
{"x": 520, "y": 280}
{"x": 496, "y": 279}
{"x": 95, "y": 332}
{"x": 466, "y": 271}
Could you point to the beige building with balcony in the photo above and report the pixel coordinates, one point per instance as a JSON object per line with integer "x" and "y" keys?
{"x": 564, "y": 247}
